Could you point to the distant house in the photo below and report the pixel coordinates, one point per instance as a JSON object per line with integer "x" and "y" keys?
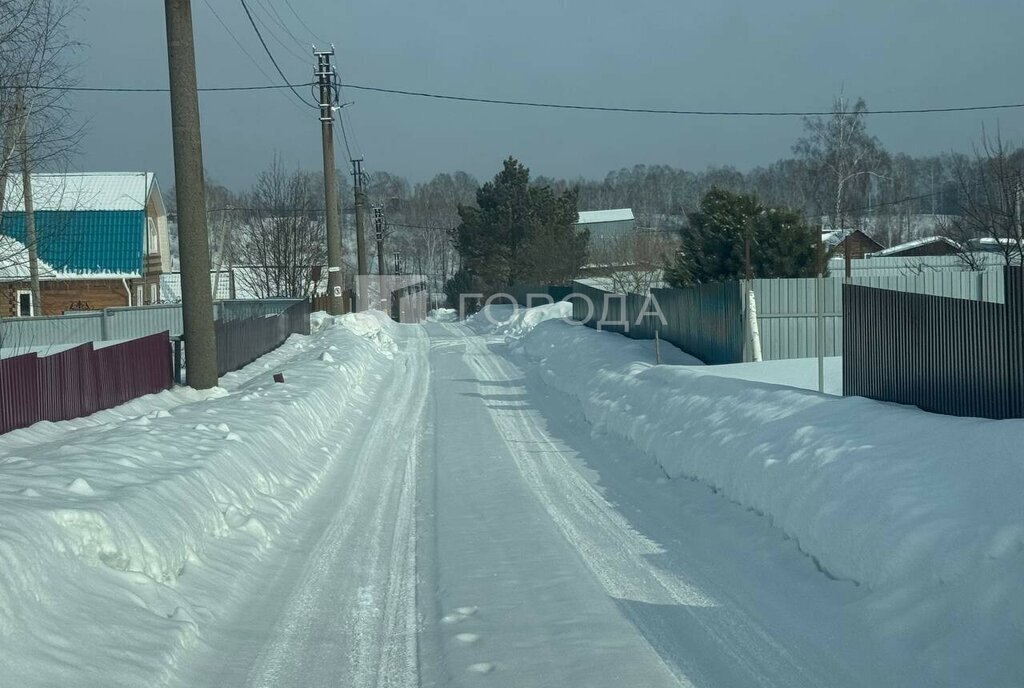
{"x": 927, "y": 246}
{"x": 860, "y": 244}
{"x": 606, "y": 224}
{"x": 101, "y": 241}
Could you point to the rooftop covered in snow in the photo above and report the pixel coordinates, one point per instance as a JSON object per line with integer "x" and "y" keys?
{"x": 587, "y": 217}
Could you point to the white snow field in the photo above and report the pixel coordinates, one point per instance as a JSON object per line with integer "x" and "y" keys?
{"x": 529, "y": 503}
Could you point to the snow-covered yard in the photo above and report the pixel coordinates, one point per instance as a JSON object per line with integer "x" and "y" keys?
{"x": 516, "y": 501}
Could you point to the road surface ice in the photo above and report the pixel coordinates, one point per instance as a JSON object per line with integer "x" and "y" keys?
{"x": 452, "y": 505}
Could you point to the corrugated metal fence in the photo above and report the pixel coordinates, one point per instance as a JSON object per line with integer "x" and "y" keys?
{"x": 707, "y": 320}
{"x": 240, "y": 342}
{"x": 80, "y": 380}
{"x": 787, "y": 308}
{"x": 946, "y": 355}
{"x": 121, "y": 323}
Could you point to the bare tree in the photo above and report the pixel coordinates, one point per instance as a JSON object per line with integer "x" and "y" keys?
{"x": 283, "y": 239}
{"x": 36, "y": 128}
{"x": 634, "y": 263}
{"x": 991, "y": 188}
{"x": 841, "y": 148}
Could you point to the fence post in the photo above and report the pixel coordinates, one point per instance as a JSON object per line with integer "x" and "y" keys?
{"x": 177, "y": 358}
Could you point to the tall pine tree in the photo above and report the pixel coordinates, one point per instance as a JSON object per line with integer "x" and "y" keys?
{"x": 712, "y": 243}
{"x": 519, "y": 232}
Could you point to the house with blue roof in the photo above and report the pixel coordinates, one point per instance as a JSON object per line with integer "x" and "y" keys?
{"x": 101, "y": 241}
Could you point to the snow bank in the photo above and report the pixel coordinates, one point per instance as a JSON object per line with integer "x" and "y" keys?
{"x": 515, "y": 321}
{"x": 121, "y": 534}
{"x": 924, "y": 512}
{"x": 443, "y": 315}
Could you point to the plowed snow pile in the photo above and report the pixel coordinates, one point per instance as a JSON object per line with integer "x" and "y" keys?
{"x": 924, "y": 512}
{"x": 119, "y": 533}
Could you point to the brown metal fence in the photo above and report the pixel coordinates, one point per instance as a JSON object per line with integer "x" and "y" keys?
{"x": 80, "y": 380}
{"x": 240, "y": 342}
{"x": 945, "y": 355}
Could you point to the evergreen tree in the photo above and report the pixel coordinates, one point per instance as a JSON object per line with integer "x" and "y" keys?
{"x": 519, "y": 232}
{"x": 712, "y": 243}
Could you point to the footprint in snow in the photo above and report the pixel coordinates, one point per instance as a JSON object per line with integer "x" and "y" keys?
{"x": 467, "y": 638}
{"x": 460, "y": 614}
{"x": 481, "y": 668}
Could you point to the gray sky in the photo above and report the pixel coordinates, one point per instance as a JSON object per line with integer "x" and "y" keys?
{"x": 724, "y": 54}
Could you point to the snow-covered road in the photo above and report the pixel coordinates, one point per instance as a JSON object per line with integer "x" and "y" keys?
{"x": 528, "y": 504}
{"x": 478, "y": 535}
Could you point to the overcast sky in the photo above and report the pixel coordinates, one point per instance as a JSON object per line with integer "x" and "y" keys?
{"x": 681, "y": 54}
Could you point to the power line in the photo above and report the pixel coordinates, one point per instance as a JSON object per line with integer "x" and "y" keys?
{"x": 273, "y": 34}
{"x": 562, "y": 106}
{"x": 280, "y": 22}
{"x": 312, "y": 33}
{"x": 271, "y": 55}
{"x": 658, "y": 111}
{"x": 239, "y": 43}
{"x": 97, "y": 89}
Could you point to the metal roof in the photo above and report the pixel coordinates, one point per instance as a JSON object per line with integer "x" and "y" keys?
{"x": 587, "y": 217}
{"x": 81, "y": 191}
{"x": 100, "y": 241}
{"x": 906, "y": 246}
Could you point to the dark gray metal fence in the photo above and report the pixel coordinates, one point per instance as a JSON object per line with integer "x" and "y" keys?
{"x": 946, "y": 355}
{"x": 240, "y": 342}
{"x": 705, "y": 321}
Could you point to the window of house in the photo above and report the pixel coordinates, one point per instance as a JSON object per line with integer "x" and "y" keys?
{"x": 152, "y": 238}
{"x": 25, "y": 304}
{"x": 139, "y": 294}
{"x": 154, "y": 293}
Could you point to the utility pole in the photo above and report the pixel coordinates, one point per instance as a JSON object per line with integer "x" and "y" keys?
{"x": 325, "y": 79}
{"x": 31, "y": 241}
{"x": 378, "y": 228}
{"x": 363, "y": 269}
{"x": 190, "y": 192}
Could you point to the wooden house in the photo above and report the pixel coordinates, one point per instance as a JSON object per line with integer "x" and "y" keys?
{"x": 101, "y": 241}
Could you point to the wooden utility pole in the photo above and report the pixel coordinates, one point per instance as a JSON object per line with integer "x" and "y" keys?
{"x": 378, "y": 229}
{"x": 31, "y": 242}
{"x": 848, "y": 256}
{"x": 325, "y": 79}
{"x": 190, "y": 192}
{"x": 361, "y": 261}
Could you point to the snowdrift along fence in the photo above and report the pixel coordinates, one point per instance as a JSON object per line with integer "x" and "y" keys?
{"x": 240, "y": 342}
{"x": 532, "y": 294}
{"x": 705, "y": 321}
{"x": 945, "y": 355}
{"x": 80, "y": 380}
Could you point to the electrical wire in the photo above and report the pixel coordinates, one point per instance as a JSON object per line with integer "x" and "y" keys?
{"x": 563, "y": 106}
{"x": 280, "y": 22}
{"x": 657, "y": 111}
{"x": 208, "y": 89}
{"x": 284, "y": 45}
{"x": 312, "y": 33}
{"x": 240, "y": 45}
{"x": 271, "y": 55}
